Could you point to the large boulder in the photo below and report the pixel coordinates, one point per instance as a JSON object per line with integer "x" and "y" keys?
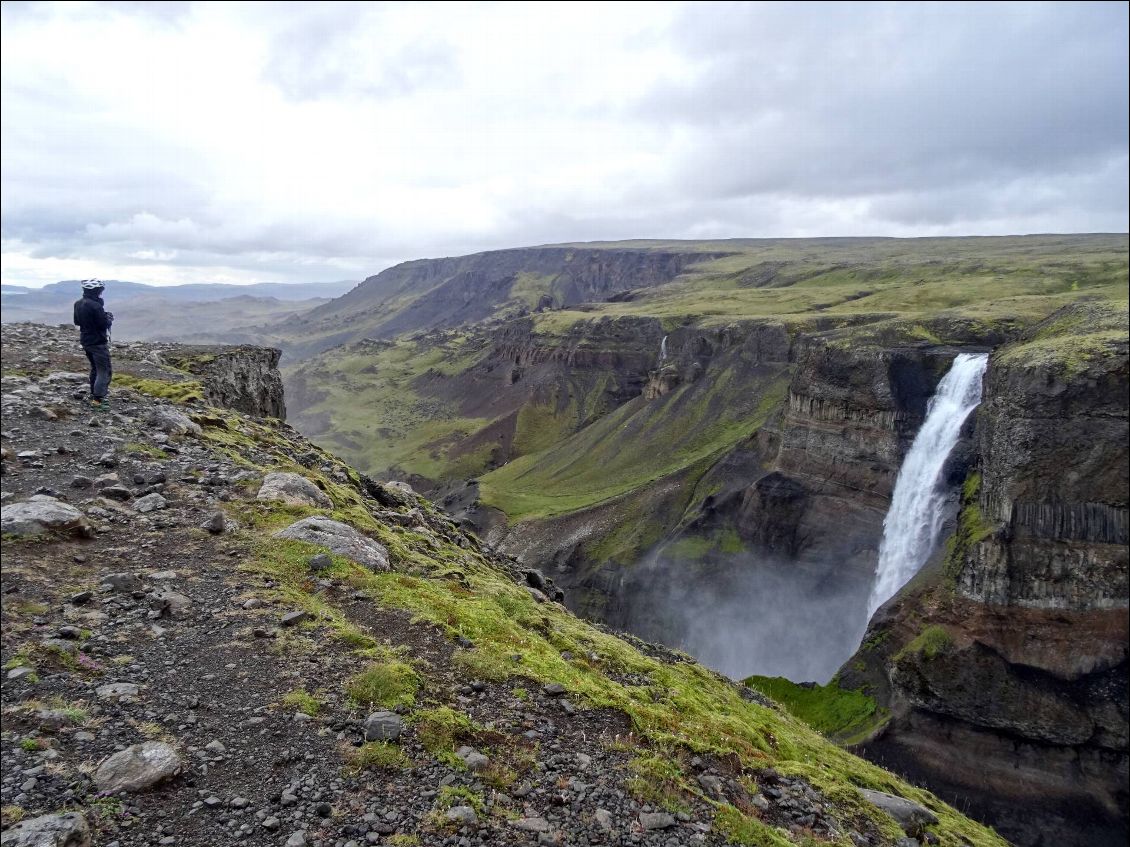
{"x": 173, "y": 422}
{"x": 912, "y": 817}
{"x": 293, "y": 489}
{"x": 40, "y": 515}
{"x": 137, "y": 768}
{"x": 340, "y": 538}
{"x": 57, "y": 830}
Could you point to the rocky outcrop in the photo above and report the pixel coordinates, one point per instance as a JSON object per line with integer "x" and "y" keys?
{"x": 1005, "y": 665}
{"x": 243, "y": 378}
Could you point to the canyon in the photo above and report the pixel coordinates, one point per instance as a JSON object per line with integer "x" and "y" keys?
{"x": 705, "y": 456}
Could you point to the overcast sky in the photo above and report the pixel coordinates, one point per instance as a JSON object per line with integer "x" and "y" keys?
{"x": 229, "y": 142}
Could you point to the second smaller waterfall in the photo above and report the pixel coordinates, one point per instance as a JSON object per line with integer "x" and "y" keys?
{"x": 918, "y": 503}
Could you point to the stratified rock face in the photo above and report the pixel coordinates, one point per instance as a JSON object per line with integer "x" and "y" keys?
{"x": 1054, "y": 451}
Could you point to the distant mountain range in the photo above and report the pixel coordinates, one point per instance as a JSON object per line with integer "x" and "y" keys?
{"x": 173, "y": 312}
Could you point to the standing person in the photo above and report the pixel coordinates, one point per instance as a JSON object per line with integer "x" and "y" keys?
{"x": 92, "y": 318}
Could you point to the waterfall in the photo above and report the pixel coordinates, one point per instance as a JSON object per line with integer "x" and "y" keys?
{"x": 911, "y": 527}
{"x": 663, "y": 350}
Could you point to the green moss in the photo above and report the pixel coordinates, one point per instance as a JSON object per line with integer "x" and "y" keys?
{"x": 659, "y": 781}
{"x": 460, "y": 795}
{"x": 303, "y": 701}
{"x": 739, "y": 828}
{"x": 145, "y": 450}
{"x": 188, "y": 391}
{"x": 843, "y": 715}
{"x": 930, "y": 643}
{"x": 376, "y": 755}
{"x": 441, "y": 729}
{"x": 385, "y": 684}
{"x": 972, "y": 528}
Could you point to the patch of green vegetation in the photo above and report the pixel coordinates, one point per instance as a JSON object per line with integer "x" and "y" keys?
{"x": 403, "y": 839}
{"x": 303, "y": 701}
{"x": 188, "y": 391}
{"x": 529, "y": 288}
{"x": 148, "y": 450}
{"x": 11, "y": 815}
{"x": 972, "y": 528}
{"x": 617, "y": 453}
{"x": 739, "y": 828}
{"x": 460, "y": 795}
{"x": 440, "y": 729}
{"x": 33, "y": 745}
{"x": 1073, "y": 338}
{"x": 368, "y": 403}
{"x": 24, "y": 606}
{"x": 930, "y": 643}
{"x": 376, "y": 755}
{"x": 385, "y": 684}
{"x": 659, "y": 781}
{"x": 843, "y": 715}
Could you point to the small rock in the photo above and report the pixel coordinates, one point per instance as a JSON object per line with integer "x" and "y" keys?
{"x": 294, "y": 618}
{"x": 472, "y": 758}
{"x": 383, "y": 726}
{"x": 117, "y": 691}
{"x": 150, "y": 503}
{"x": 297, "y": 839}
{"x": 320, "y": 562}
{"x": 603, "y": 819}
{"x": 462, "y": 815}
{"x": 215, "y": 524}
{"x": 123, "y": 582}
{"x": 656, "y": 820}
{"x": 912, "y": 817}
{"x": 531, "y": 824}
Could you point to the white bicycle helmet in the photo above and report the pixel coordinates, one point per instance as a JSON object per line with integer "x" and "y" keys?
{"x": 92, "y": 284}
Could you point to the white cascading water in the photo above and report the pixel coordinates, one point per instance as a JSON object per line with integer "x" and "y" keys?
{"x": 663, "y": 350}
{"x": 911, "y": 527}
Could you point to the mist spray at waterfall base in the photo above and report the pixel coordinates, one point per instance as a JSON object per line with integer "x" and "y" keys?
{"x": 745, "y": 614}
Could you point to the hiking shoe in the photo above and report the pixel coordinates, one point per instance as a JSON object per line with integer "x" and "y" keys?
{"x": 100, "y": 405}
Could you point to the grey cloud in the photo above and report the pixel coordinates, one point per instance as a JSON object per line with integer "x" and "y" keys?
{"x": 320, "y": 53}
{"x": 842, "y": 100}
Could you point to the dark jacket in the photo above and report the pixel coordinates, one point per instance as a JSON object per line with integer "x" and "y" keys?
{"x": 93, "y": 319}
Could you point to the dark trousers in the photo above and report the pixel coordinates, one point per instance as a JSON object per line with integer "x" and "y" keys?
{"x": 100, "y": 369}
